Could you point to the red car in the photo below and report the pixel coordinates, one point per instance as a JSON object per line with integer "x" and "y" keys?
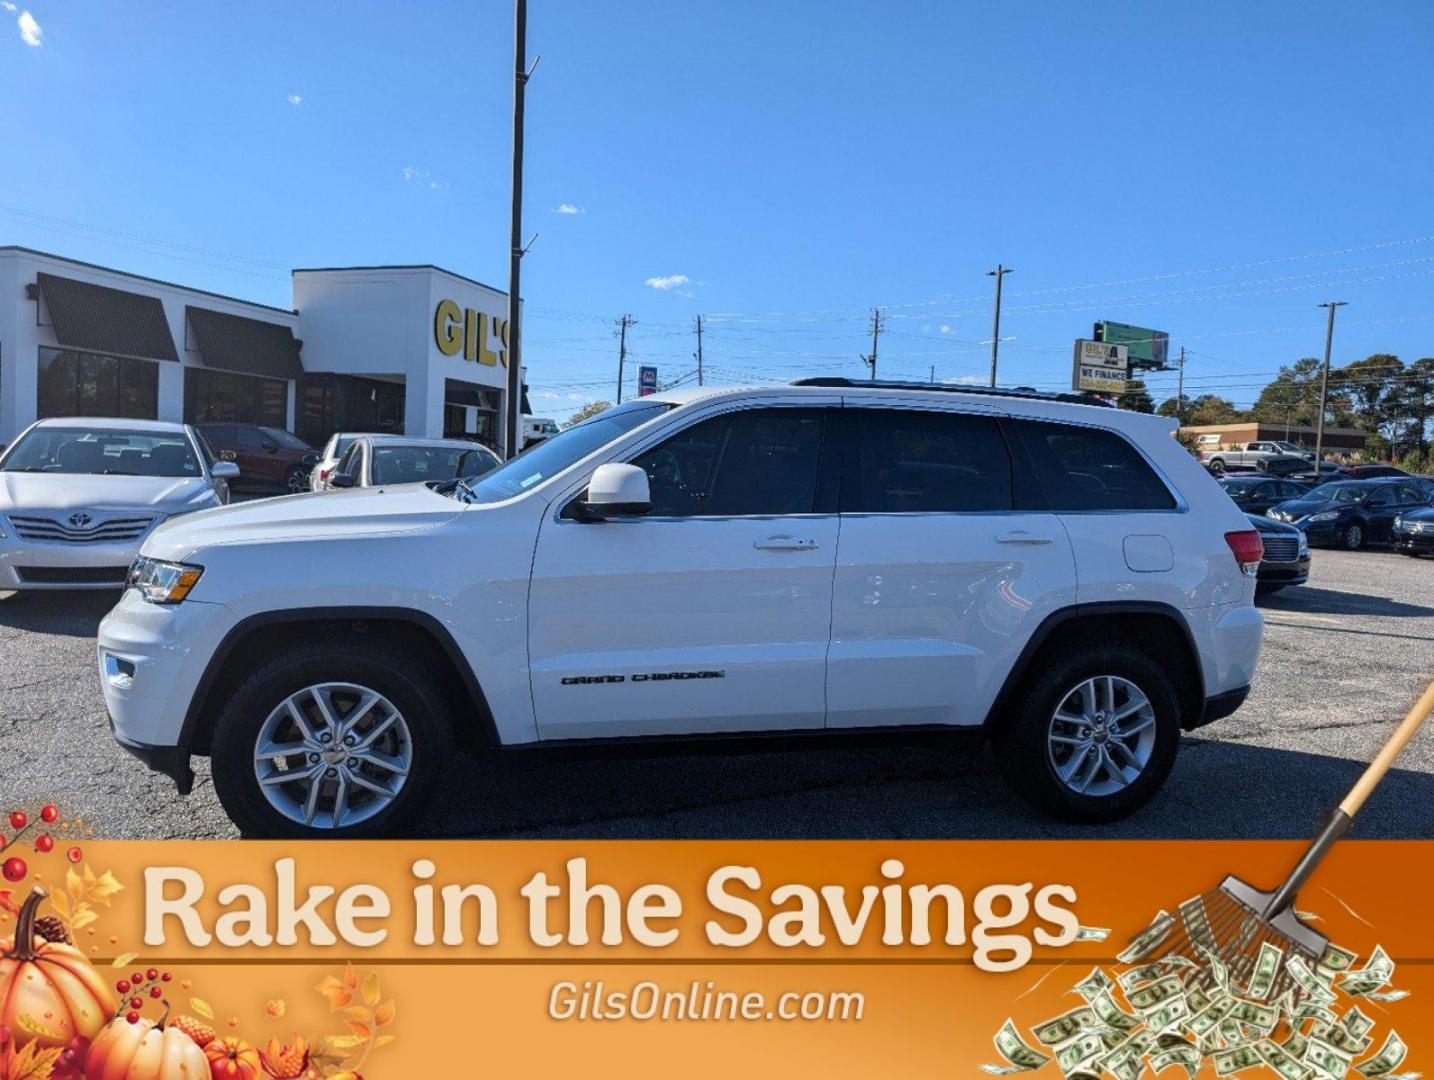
{"x": 268, "y": 458}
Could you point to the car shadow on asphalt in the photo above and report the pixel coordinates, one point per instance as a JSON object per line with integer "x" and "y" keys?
{"x": 75, "y": 613}
{"x": 1218, "y": 790}
{"x": 1317, "y": 601}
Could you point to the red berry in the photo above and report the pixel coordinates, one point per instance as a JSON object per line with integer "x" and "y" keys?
{"x": 48, "y": 813}
{"x": 19, "y": 819}
{"x": 152, "y": 974}
{"x": 2, "y": 843}
{"x": 137, "y": 978}
{"x": 155, "y": 991}
{"x": 166, "y": 977}
{"x": 44, "y": 843}
{"x": 132, "y": 1017}
{"x": 136, "y": 1003}
{"x": 74, "y": 854}
{"x": 122, "y": 986}
{"x": 14, "y": 869}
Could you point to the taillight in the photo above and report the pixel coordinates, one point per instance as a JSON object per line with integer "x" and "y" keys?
{"x": 323, "y": 474}
{"x": 1248, "y": 549}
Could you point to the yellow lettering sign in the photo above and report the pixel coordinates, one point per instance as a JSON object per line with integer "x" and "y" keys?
{"x": 446, "y": 333}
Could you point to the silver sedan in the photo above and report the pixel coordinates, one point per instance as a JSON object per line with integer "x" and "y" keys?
{"x": 79, "y": 496}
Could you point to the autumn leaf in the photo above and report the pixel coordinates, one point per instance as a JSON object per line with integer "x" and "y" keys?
{"x": 7, "y": 902}
{"x": 359, "y": 1013}
{"x": 61, "y": 903}
{"x": 384, "y": 1014}
{"x": 276, "y": 1008}
{"x": 371, "y": 993}
{"x": 74, "y": 885}
{"x": 383, "y": 1040}
{"x": 351, "y": 979}
{"x": 340, "y": 1042}
{"x": 101, "y": 889}
{"x": 202, "y": 1007}
{"x": 363, "y": 1031}
{"x": 33, "y": 1063}
{"x": 338, "y": 994}
{"x": 123, "y": 960}
{"x": 84, "y": 915}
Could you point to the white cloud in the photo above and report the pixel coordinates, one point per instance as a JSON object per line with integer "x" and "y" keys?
{"x": 966, "y": 380}
{"x": 945, "y": 329}
{"x": 295, "y": 99}
{"x": 30, "y": 32}
{"x": 670, "y": 281}
{"x": 569, "y": 209}
{"x": 8, "y": 6}
{"x": 414, "y": 175}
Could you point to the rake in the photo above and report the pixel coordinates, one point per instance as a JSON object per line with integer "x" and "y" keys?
{"x": 1232, "y": 922}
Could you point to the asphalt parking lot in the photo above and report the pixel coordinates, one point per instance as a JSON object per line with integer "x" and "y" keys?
{"x": 1344, "y": 658}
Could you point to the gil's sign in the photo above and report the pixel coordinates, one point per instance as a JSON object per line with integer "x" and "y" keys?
{"x": 1099, "y": 368}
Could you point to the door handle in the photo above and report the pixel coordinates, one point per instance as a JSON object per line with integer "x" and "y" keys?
{"x": 785, "y": 543}
{"x": 1020, "y": 536}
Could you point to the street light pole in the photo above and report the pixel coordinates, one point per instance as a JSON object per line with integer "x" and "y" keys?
{"x": 1324, "y": 382}
{"x": 513, "y": 422}
{"x": 998, "y": 274}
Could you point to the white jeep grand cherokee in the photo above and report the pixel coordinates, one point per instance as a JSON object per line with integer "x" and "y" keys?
{"x": 833, "y": 557}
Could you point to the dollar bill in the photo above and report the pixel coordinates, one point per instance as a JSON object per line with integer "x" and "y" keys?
{"x": 1067, "y": 1026}
{"x": 1308, "y": 981}
{"x": 1168, "y": 1015}
{"x": 1387, "y": 995}
{"x": 1144, "y": 973}
{"x": 1071, "y": 1057}
{"x": 1148, "y": 940}
{"x": 1355, "y": 1022}
{"x": 1209, "y": 1018}
{"x": 1296, "y": 1044}
{"x": 1282, "y": 1061}
{"x": 1340, "y": 1038}
{"x": 1197, "y": 999}
{"x": 1257, "y": 1015}
{"x": 1153, "y": 995}
{"x": 1336, "y": 959}
{"x": 1329, "y": 1060}
{"x": 1375, "y": 974}
{"x": 1186, "y": 1056}
{"x": 1236, "y": 1058}
{"x": 1217, "y": 969}
{"x": 1267, "y": 966}
{"x": 1021, "y": 1057}
{"x": 1094, "y": 985}
{"x": 1092, "y": 933}
{"x": 1391, "y": 1055}
{"x": 1112, "y": 1015}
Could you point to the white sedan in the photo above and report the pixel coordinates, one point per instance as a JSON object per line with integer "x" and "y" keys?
{"x": 379, "y": 460}
{"x": 79, "y": 496}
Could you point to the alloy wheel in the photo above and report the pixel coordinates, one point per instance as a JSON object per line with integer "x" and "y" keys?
{"x": 1353, "y": 537}
{"x": 1101, "y": 735}
{"x": 298, "y": 481}
{"x": 333, "y": 755}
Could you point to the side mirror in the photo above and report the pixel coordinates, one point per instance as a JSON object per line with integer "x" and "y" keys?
{"x": 224, "y": 470}
{"x": 617, "y": 491}
{"x": 341, "y": 480}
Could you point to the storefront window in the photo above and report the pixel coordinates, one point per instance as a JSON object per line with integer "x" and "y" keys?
{"x": 89, "y": 384}
{"x": 228, "y": 397}
{"x": 330, "y": 403}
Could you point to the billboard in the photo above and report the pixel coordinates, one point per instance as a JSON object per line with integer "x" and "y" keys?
{"x": 1147, "y": 348}
{"x": 1099, "y": 368}
{"x": 646, "y": 380}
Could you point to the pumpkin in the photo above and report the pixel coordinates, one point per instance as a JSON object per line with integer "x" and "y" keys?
{"x": 49, "y": 993}
{"x": 144, "y": 1050}
{"x": 232, "y": 1059}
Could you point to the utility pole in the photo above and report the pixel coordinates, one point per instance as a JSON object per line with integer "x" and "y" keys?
{"x": 699, "y": 350}
{"x": 998, "y": 274}
{"x": 1180, "y": 389}
{"x": 513, "y": 422}
{"x": 622, "y": 324}
{"x": 878, "y": 326}
{"x": 933, "y": 373}
{"x": 1324, "y": 382}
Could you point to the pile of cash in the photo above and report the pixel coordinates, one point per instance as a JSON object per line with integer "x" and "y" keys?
{"x": 1300, "y": 1019}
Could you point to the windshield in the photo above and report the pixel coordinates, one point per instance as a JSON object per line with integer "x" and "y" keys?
{"x": 1338, "y": 493}
{"x": 553, "y": 455}
{"x": 110, "y": 453}
{"x": 418, "y": 464}
{"x": 1240, "y": 487}
{"x": 283, "y": 438}
{"x": 339, "y": 445}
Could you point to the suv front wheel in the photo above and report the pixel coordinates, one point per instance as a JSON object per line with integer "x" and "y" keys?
{"x": 1095, "y": 735}
{"x": 339, "y": 738}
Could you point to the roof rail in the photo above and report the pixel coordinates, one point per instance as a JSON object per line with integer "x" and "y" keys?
{"x": 956, "y": 388}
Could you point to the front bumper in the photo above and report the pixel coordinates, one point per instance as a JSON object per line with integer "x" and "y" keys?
{"x": 64, "y": 566}
{"x": 1321, "y": 532}
{"x": 151, "y": 659}
{"x": 1218, "y": 706}
{"x": 1285, "y": 573}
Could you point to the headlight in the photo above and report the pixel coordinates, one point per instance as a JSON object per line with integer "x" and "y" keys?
{"x": 1399, "y": 523}
{"x": 1328, "y": 515}
{"x": 1304, "y": 547}
{"x": 162, "y": 582}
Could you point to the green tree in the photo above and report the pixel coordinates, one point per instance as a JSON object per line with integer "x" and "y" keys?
{"x": 1171, "y": 407}
{"x": 1414, "y": 402}
{"x": 1372, "y": 389}
{"x": 1210, "y": 409}
{"x": 1136, "y": 397}
{"x": 591, "y": 409}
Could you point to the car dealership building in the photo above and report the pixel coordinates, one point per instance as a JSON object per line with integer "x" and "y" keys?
{"x": 416, "y": 350}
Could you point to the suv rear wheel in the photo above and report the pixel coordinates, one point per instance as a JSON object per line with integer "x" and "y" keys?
{"x": 340, "y": 738}
{"x": 1094, "y": 737}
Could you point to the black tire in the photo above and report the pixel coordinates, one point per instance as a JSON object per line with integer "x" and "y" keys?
{"x": 1352, "y": 536}
{"x": 1020, "y": 737}
{"x": 1217, "y": 466}
{"x": 375, "y": 664}
{"x": 296, "y": 482}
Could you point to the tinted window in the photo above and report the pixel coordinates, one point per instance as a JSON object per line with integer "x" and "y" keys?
{"x": 909, "y": 461}
{"x": 1082, "y": 468}
{"x": 116, "y": 453}
{"x": 761, "y": 461}
{"x": 415, "y": 464}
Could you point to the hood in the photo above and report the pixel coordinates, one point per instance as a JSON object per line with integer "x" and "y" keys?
{"x": 1299, "y": 508}
{"x": 1267, "y": 525}
{"x": 20, "y": 491}
{"x": 317, "y": 516}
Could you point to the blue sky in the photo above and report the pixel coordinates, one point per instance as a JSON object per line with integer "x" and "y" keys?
{"x": 1214, "y": 170}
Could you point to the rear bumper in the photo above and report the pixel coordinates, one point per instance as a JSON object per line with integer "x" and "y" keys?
{"x": 1414, "y": 543}
{"x": 1219, "y": 706}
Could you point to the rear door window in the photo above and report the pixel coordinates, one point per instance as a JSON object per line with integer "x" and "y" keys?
{"x": 915, "y": 461}
{"x": 1090, "y": 469}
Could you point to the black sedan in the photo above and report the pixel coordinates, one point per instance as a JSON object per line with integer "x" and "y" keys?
{"x": 1286, "y": 560}
{"x": 1414, "y": 531}
{"x": 1351, "y": 513}
{"x": 1255, "y": 493}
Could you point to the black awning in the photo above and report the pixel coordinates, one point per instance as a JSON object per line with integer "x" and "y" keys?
{"x": 250, "y": 346}
{"x": 97, "y": 318}
{"x": 458, "y": 392}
